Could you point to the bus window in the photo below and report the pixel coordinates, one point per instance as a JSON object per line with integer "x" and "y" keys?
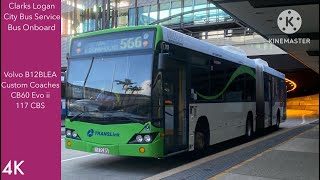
{"x": 250, "y": 88}
{"x": 200, "y": 78}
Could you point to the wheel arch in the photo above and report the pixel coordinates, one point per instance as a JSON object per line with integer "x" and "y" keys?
{"x": 203, "y": 125}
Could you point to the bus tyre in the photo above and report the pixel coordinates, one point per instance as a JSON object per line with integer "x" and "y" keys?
{"x": 199, "y": 140}
{"x": 201, "y": 136}
{"x": 249, "y": 127}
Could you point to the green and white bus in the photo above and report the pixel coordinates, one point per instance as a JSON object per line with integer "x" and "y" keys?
{"x": 150, "y": 91}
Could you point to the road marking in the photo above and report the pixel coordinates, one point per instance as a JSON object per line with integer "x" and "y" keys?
{"x": 80, "y": 157}
{"x": 304, "y": 121}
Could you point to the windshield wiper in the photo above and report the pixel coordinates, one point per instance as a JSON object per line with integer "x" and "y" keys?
{"x": 110, "y": 114}
{"x": 134, "y": 119}
{"x": 113, "y": 114}
{"x": 82, "y": 112}
{"x": 78, "y": 115}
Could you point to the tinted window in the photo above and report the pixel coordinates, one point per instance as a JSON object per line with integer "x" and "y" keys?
{"x": 250, "y": 88}
{"x": 234, "y": 84}
{"x": 200, "y": 77}
{"x": 218, "y": 79}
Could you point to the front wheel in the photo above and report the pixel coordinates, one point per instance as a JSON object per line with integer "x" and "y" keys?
{"x": 199, "y": 140}
{"x": 200, "y": 144}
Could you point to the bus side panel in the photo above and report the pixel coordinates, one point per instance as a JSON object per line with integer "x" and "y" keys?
{"x": 260, "y": 105}
{"x": 226, "y": 120}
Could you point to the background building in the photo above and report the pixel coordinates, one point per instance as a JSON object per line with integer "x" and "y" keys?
{"x": 198, "y": 18}
{"x": 81, "y": 16}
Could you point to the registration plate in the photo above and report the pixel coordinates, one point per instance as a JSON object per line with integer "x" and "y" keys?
{"x": 101, "y": 150}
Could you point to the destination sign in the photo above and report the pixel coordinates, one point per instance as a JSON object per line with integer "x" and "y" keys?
{"x": 113, "y": 42}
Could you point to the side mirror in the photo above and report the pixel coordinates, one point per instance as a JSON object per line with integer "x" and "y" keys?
{"x": 65, "y": 75}
{"x": 193, "y": 95}
{"x": 67, "y": 56}
{"x": 163, "y": 57}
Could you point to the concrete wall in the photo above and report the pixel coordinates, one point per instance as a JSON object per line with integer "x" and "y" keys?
{"x": 253, "y": 45}
{"x": 303, "y": 107}
{"x": 310, "y": 103}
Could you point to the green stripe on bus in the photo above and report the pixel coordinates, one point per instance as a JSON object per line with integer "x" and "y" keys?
{"x": 241, "y": 70}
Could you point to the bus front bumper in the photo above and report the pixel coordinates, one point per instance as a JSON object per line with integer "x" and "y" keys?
{"x": 155, "y": 149}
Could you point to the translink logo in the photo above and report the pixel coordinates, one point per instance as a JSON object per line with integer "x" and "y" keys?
{"x": 91, "y": 133}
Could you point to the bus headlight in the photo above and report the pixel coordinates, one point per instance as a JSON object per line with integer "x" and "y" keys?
{"x": 147, "y": 138}
{"x": 139, "y": 138}
{"x": 74, "y": 134}
{"x": 143, "y": 138}
{"x": 68, "y": 133}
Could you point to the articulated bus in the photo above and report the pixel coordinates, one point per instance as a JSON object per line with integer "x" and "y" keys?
{"x": 149, "y": 91}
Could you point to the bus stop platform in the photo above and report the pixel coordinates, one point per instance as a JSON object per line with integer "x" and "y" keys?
{"x": 288, "y": 155}
{"x": 295, "y": 159}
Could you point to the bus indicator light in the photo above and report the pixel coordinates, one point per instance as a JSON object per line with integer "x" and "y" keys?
{"x": 142, "y": 150}
{"x": 69, "y": 143}
{"x": 145, "y": 43}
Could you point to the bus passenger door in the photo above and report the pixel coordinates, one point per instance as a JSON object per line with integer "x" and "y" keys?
{"x": 174, "y": 82}
{"x": 268, "y": 101}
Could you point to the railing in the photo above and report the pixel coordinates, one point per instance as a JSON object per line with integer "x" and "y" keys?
{"x": 192, "y": 18}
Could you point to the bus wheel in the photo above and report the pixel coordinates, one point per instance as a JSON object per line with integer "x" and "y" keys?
{"x": 249, "y": 127}
{"x": 201, "y": 135}
{"x": 199, "y": 140}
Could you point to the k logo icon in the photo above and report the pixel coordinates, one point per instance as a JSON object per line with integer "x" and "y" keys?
{"x": 289, "y": 21}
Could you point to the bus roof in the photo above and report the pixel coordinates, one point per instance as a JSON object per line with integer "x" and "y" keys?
{"x": 171, "y": 36}
{"x": 189, "y": 42}
{"x": 105, "y": 31}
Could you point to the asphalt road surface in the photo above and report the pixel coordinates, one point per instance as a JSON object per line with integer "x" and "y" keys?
{"x": 76, "y": 165}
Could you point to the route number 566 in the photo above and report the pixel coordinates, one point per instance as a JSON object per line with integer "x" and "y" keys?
{"x": 15, "y": 166}
{"x": 131, "y": 43}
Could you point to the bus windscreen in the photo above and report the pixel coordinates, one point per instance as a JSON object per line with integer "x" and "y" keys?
{"x": 113, "y": 42}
